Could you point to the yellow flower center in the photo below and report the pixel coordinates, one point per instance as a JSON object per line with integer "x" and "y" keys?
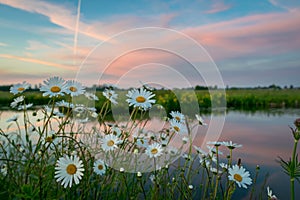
{"x": 49, "y": 139}
{"x": 100, "y": 167}
{"x": 177, "y": 118}
{"x": 238, "y": 177}
{"x": 176, "y": 128}
{"x": 55, "y": 89}
{"x": 73, "y": 89}
{"x": 110, "y": 143}
{"x": 20, "y": 89}
{"x": 154, "y": 151}
{"x": 140, "y": 99}
{"x": 71, "y": 169}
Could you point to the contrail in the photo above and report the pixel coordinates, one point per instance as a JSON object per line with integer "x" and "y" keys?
{"x": 76, "y": 31}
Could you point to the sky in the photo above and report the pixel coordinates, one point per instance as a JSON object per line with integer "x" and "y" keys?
{"x": 172, "y": 43}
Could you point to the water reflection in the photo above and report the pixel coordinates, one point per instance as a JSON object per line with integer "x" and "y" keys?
{"x": 264, "y": 135}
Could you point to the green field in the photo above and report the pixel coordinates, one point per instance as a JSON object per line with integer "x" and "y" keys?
{"x": 242, "y": 99}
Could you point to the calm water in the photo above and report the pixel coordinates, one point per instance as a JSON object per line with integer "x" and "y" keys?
{"x": 264, "y": 135}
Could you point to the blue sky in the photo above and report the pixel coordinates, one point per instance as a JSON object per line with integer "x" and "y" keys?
{"x": 250, "y": 42}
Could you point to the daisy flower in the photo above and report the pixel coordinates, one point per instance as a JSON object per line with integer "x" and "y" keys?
{"x": 17, "y": 101}
{"x": 178, "y": 127}
{"x": 74, "y": 88}
{"x": 4, "y": 169}
{"x": 231, "y": 145}
{"x": 200, "y": 151}
{"x": 19, "y": 88}
{"x": 140, "y": 98}
{"x": 111, "y": 96}
{"x": 25, "y": 107}
{"x": 99, "y": 167}
{"x": 270, "y": 194}
{"x": 110, "y": 142}
{"x": 200, "y": 120}
{"x": 54, "y": 86}
{"x": 63, "y": 103}
{"x": 240, "y": 176}
{"x": 69, "y": 169}
{"x": 154, "y": 150}
{"x": 215, "y": 143}
{"x": 13, "y": 118}
{"x": 178, "y": 116}
{"x": 224, "y": 166}
{"x": 91, "y": 96}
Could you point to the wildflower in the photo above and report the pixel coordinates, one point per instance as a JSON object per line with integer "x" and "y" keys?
{"x": 178, "y": 127}
{"x": 231, "y": 145}
{"x": 179, "y": 117}
{"x": 69, "y": 170}
{"x": 224, "y": 166}
{"x": 4, "y": 169}
{"x": 99, "y": 167}
{"x": 154, "y": 150}
{"x": 110, "y": 142}
{"x": 215, "y": 143}
{"x": 139, "y": 174}
{"x": 215, "y": 170}
{"x": 25, "y": 107}
{"x": 172, "y": 150}
{"x": 91, "y": 96}
{"x": 63, "y": 103}
{"x": 191, "y": 187}
{"x": 271, "y": 196}
{"x": 54, "y": 86}
{"x": 140, "y": 98}
{"x": 19, "y": 88}
{"x": 116, "y": 131}
{"x": 240, "y": 176}
{"x": 185, "y": 140}
{"x": 186, "y": 156}
{"x": 111, "y": 96}
{"x": 199, "y": 150}
{"x": 152, "y": 178}
{"x": 122, "y": 169}
{"x": 213, "y": 150}
{"x": 17, "y": 101}
{"x": 74, "y": 88}
{"x": 200, "y": 120}
{"x": 13, "y": 118}
{"x": 50, "y": 137}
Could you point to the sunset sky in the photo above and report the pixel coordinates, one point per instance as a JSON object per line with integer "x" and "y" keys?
{"x": 251, "y": 43}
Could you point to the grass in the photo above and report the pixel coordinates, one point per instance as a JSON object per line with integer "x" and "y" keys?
{"x": 241, "y": 99}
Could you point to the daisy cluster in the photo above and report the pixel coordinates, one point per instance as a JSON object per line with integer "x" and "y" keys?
{"x": 77, "y": 154}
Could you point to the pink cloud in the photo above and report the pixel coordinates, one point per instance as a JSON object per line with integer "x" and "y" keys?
{"x": 274, "y": 32}
{"x": 217, "y": 6}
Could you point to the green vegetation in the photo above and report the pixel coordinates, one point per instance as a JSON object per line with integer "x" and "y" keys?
{"x": 242, "y": 99}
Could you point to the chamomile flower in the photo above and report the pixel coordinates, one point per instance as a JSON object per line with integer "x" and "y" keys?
{"x": 111, "y": 96}
{"x": 231, "y": 145}
{"x": 99, "y": 167}
{"x": 13, "y": 118}
{"x": 200, "y": 151}
{"x": 74, "y": 88}
{"x": 17, "y": 101}
{"x": 178, "y": 127}
{"x": 215, "y": 143}
{"x": 154, "y": 150}
{"x": 270, "y": 194}
{"x": 54, "y": 86}
{"x": 4, "y": 169}
{"x": 200, "y": 120}
{"x": 91, "y": 96}
{"x": 239, "y": 175}
{"x": 63, "y": 103}
{"x": 179, "y": 117}
{"x": 25, "y": 107}
{"x": 110, "y": 142}
{"x": 19, "y": 88}
{"x": 140, "y": 98}
{"x": 69, "y": 170}
{"x": 224, "y": 166}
